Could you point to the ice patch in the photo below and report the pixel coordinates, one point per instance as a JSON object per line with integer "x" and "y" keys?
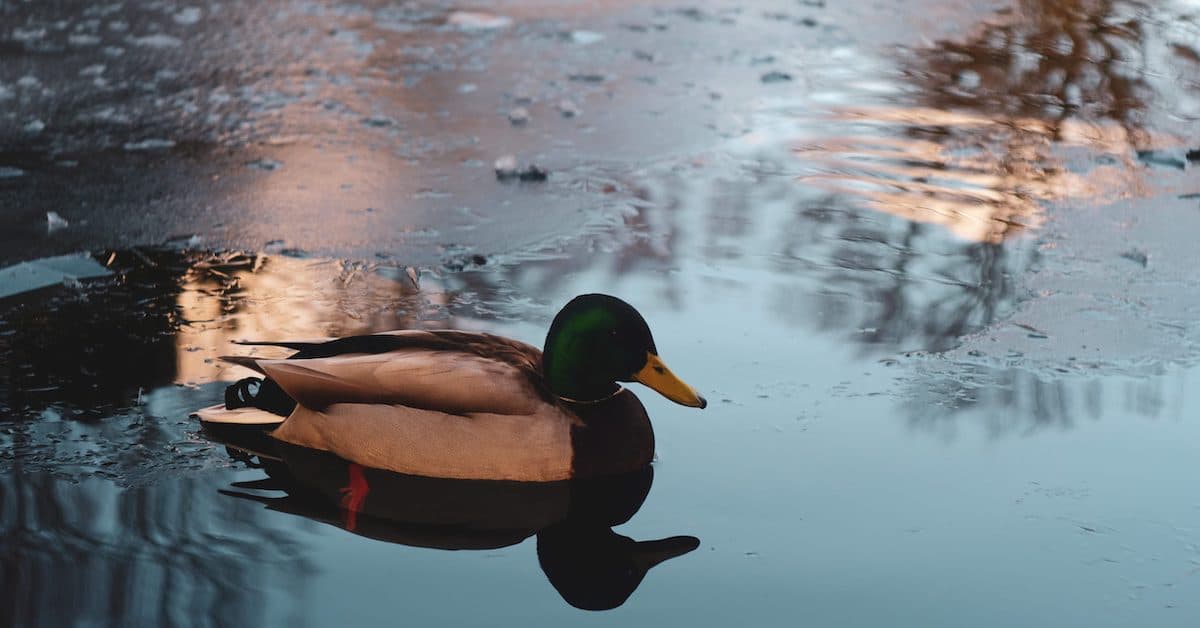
{"x": 10, "y": 173}
{"x": 54, "y": 222}
{"x": 586, "y": 38}
{"x": 79, "y": 39}
{"x": 29, "y": 276}
{"x": 27, "y": 35}
{"x": 477, "y": 21}
{"x": 268, "y": 165}
{"x": 156, "y": 41}
{"x": 188, "y": 16}
{"x": 149, "y": 144}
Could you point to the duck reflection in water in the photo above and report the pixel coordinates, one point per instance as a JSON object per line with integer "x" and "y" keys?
{"x": 591, "y": 567}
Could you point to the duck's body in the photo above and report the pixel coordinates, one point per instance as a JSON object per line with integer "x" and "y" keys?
{"x": 463, "y": 405}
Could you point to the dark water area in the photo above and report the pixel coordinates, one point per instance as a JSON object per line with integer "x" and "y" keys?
{"x": 932, "y": 264}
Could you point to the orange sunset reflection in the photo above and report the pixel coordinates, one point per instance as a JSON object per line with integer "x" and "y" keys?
{"x": 258, "y": 297}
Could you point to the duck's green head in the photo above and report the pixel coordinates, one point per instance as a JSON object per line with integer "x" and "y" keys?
{"x": 596, "y": 341}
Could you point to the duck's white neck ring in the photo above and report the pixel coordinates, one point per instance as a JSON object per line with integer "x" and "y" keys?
{"x": 620, "y": 389}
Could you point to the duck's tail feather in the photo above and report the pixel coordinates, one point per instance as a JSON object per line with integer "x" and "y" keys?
{"x": 243, "y": 360}
{"x": 246, "y": 429}
{"x": 297, "y": 345}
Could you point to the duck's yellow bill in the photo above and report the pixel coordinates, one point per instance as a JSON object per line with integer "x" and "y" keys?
{"x": 656, "y": 375}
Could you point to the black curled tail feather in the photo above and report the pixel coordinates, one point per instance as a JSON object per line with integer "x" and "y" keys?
{"x": 261, "y": 393}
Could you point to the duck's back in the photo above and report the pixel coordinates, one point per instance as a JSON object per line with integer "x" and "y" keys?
{"x": 439, "y": 404}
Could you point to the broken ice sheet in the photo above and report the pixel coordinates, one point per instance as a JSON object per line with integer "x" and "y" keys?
{"x": 54, "y": 222}
{"x": 149, "y": 144}
{"x": 507, "y": 169}
{"x": 37, "y": 274}
{"x": 477, "y": 20}
{"x": 586, "y": 38}
{"x": 518, "y": 116}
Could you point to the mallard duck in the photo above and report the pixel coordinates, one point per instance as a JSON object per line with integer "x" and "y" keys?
{"x": 466, "y": 405}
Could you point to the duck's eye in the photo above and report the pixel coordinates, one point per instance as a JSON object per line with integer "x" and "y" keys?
{"x": 660, "y": 370}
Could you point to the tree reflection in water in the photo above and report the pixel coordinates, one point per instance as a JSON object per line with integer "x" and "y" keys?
{"x": 1050, "y": 61}
{"x": 1070, "y": 86}
{"x": 92, "y": 549}
{"x": 142, "y": 557}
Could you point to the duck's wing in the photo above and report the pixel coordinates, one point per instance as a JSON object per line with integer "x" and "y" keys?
{"x": 441, "y": 404}
{"x": 533, "y": 447}
{"x": 437, "y": 340}
{"x": 446, "y": 371}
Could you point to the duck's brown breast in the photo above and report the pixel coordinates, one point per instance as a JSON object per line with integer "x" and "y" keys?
{"x": 614, "y": 436}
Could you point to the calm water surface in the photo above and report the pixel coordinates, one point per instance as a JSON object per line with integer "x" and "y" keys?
{"x": 931, "y": 263}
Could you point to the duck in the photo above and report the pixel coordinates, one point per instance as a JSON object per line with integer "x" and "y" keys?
{"x": 466, "y": 405}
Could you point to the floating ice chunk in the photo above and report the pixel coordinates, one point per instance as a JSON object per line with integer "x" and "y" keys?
{"x": 93, "y": 70}
{"x": 10, "y": 173}
{"x": 507, "y": 169}
{"x": 82, "y": 39}
{"x": 467, "y": 88}
{"x": 477, "y": 21}
{"x": 282, "y": 140}
{"x": 586, "y": 38}
{"x": 185, "y": 241}
{"x": 54, "y": 222}
{"x": 267, "y": 165}
{"x": 568, "y": 109}
{"x": 156, "y": 41}
{"x": 34, "y": 127}
{"x": 506, "y": 166}
{"x": 518, "y": 116}
{"x": 28, "y": 81}
{"x": 29, "y": 276}
{"x": 149, "y": 144}
{"x": 27, "y": 34}
{"x": 188, "y": 16}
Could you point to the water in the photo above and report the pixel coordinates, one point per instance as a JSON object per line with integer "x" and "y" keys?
{"x": 937, "y": 288}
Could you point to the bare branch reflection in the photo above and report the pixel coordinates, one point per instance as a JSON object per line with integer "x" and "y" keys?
{"x": 93, "y": 552}
{"x": 1049, "y": 61}
{"x": 1054, "y": 77}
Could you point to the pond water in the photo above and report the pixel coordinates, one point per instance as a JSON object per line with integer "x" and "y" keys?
{"x": 930, "y": 262}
